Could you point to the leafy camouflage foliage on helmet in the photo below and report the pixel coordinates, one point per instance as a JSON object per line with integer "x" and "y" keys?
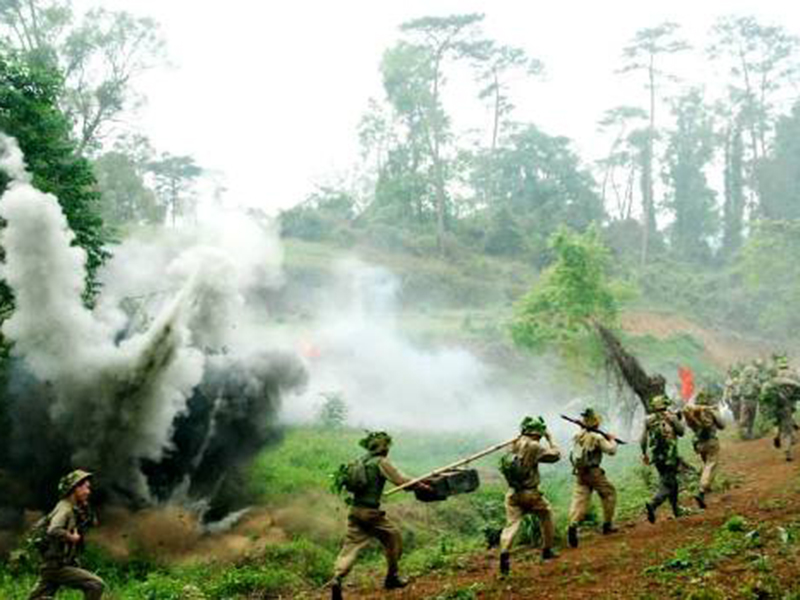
{"x": 72, "y": 480}
{"x": 374, "y": 440}
{"x": 533, "y": 426}
{"x": 660, "y": 403}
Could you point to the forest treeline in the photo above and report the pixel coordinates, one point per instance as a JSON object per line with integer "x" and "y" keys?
{"x": 698, "y": 197}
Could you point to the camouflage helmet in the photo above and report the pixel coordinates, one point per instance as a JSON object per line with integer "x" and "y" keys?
{"x": 374, "y": 440}
{"x": 531, "y": 426}
{"x": 72, "y": 480}
{"x": 590, "y": 417}
{"x": 705, "y": 397}
{"x": 780, "y": 359}
{"x": 660, "y": 403}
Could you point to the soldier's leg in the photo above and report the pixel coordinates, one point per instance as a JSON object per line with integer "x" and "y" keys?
{"x": 514, "y": 514}
{"x": 608, "y": 497}
{"x": 355, "y": 540}
{"x": 787, "y": 437}
{"x": 581, "y": 495}
{"x": 709, "y": 454}
{"x": 389, "y": 535}
{"x": 537, "y": 504}
{"x": 46, "y": 588}
{"x": 664, "y": 487}
{"x": 80, "y": 579}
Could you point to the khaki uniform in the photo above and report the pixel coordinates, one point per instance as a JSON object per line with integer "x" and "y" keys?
{"x": 786, "y": 388}
{"x": 60, "y": 568}
{"x": 528, "y": 499}
{"x": 589, "y": 477}
{"x": 366, "y": 522}
{"x": 704, "y": 421}
{"x": 750, "y": 386}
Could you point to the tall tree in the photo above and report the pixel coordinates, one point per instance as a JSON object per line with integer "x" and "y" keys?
{"x": 175, "y": 177}
{"x": 413, "y": 76}
{"x": 497, "y": 64}
{"x": 760, "y": 60}
{"x": 100, "y": 56}
{"x": 690, "y": 148}
{"x": 644, "y": 53}
{"x": 779, "y": 174}
{"x": 29, "y": 112}
{"x": 734, "y": 204}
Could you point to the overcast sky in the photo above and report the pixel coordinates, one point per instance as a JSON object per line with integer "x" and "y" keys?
{"x": 270, "y": 93}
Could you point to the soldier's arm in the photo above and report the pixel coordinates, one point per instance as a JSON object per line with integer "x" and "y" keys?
{"x": 551, "y": 454}
{"x": 608, "y": 446}
{"x": 391, "y": 472}
{"x": 643, "y": 440}
{"x": 677, "y": 425}
{"x": 58, "y": 524}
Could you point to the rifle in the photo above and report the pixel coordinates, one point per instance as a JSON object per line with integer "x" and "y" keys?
{"x": 592, "y": 429}
{"x": 458, "y": 463}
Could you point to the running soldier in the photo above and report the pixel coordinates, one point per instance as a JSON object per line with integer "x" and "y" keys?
{"x": 704, "y": 421}
{"x": 660, "y": 435}
{"x": 521, "y": 470}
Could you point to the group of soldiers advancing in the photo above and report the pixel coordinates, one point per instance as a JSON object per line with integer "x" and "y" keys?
{"x": 771, "y": 388}
{"x": 66, "y": 525}
{"x": 659, "y": 445}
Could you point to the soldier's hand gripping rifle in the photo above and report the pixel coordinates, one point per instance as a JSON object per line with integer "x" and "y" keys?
{"x": 593, "y": 429}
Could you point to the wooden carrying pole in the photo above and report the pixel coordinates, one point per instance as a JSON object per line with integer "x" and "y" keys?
{"x": 458, "y": 463}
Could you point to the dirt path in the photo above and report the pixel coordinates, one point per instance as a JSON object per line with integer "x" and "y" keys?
{"x": 768, "y": 492}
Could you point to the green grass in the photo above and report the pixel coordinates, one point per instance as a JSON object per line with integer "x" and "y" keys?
{"x": 437, "y": 536}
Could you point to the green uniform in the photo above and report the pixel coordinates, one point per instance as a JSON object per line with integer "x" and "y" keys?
{"x": 60, "y": 558}
{"x": 366, "y": 521}
{"x": 527, "y": 499}
{"x": 660, "y": 435}
{"x": 587, "y": 455}
{"x": 781, "y": 395}
{"x": 750, "y": 389}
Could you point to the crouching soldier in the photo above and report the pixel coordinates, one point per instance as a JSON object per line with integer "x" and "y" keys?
{"x": 64, "y": 541}
{"x": 704, "y": 421}
{"x": 521, "y": 470}
{"x": 586, "y": 456}
{"x": 365, "y": 520}
{"x": 661, "y": 432}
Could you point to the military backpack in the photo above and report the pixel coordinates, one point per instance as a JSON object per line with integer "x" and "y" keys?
{"x": 513, "y": 470}
{"x": 351, "y": 477}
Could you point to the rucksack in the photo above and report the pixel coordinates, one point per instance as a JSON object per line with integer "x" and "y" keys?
{"x": 37, "y": 538}
{"x": 663, "y": 441}
{"x": 351, "y": 477}
{"x": 513, "y": 470}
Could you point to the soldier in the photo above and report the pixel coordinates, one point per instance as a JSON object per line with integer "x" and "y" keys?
{"x": 366, "y": 521}
{"x": 521, "y": 468}
{"x": 732, "y": 396}
{"x": 750, "y": 389}
{"x": 661, "y": 432}
{"x": 586, "y": 456}
{"x": 704, "y": 421}
{"x": 65, "y": 533}
{"x": 780, "y": 396}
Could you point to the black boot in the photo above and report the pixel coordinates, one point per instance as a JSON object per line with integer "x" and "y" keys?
{"x": 701, "y": 500}
{"x": 651, "y": 512}
{"x": 505, "y": 564}
{"x": 548, "y": 554}
{"x": 676, "y": 510}
{"x": 393, "y": 582}
{"x": 776, "y": 442}
{"x": 572, "y": 536}
{"x": 609, "y": 528}
{"x": 336, "y": 590}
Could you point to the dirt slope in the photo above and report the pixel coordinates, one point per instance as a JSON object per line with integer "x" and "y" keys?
{"x": 768, "y": 493}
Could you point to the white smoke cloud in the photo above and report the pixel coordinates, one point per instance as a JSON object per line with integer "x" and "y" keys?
{"x": 359, "y": 350}
{"x": 12, "y": 160}
{"x": 121, "y": 375}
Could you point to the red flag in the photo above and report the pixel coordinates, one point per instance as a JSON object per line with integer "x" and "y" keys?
{"x": 687, "y": 382}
